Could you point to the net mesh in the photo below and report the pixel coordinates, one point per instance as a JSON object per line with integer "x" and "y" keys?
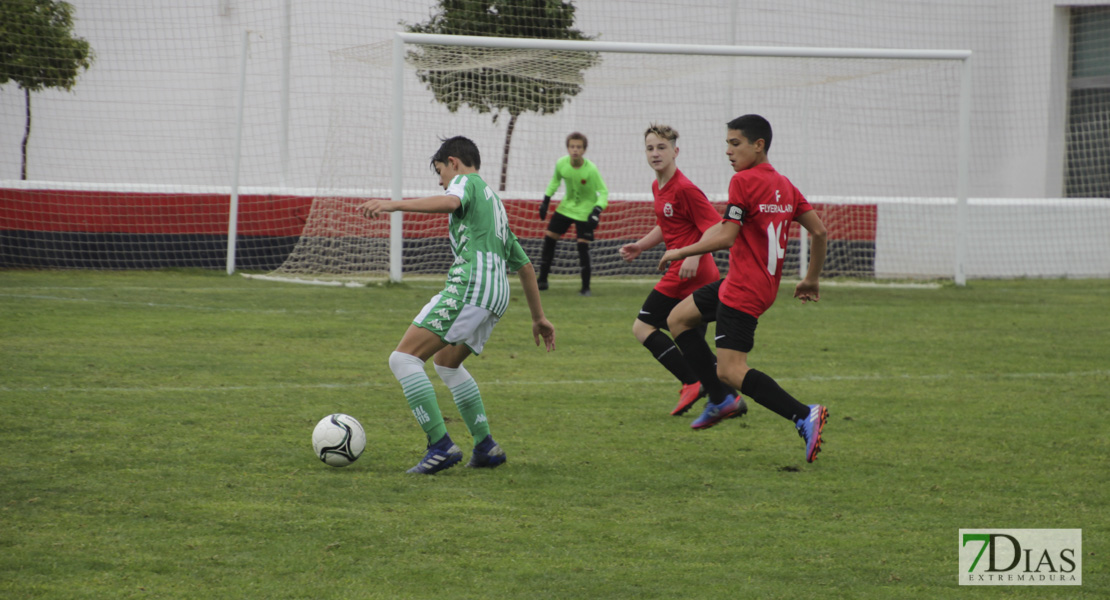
{"x": 133, "y": 165}
{"x": 851, "y": 134}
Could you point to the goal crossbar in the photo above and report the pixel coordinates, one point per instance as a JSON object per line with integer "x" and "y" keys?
{"x": 963, "y": 143}
{"x": 689, "y": 49}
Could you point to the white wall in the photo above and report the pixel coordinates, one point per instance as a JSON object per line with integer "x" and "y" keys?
{"x": 1008, "y": 238}
{"x": 159, "y": 104}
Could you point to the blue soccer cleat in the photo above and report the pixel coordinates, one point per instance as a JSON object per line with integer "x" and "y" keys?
{"x": 731, "y": 407}
{"x": 444, "y": 454}
{"x": 810, "y": 428}
{"x": 487, "y": 455}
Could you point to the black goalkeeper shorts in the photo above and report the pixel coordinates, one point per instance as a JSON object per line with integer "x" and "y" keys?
{"x": 560, "y": 223}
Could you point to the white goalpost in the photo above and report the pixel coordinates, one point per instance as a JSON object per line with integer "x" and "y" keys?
{"x": 874, "y": 137}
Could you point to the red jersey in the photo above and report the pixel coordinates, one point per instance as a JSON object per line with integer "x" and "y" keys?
{"x": 763, "y": 203}
{"x": 683, "y": 213}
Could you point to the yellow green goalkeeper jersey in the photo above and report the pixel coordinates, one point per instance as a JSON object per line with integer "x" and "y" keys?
{"x": 585, "y": 189}
{"x": 484, "y": 247}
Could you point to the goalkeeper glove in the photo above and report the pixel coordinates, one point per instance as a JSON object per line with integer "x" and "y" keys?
{"x": 543, "y": 207}
{"x": 595, "y": 216}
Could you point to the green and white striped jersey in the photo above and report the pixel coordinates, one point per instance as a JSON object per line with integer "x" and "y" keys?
{"x": 484, "y": 247}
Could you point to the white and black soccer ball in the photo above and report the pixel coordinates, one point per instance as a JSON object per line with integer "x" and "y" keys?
{"x": 338, "y": 439}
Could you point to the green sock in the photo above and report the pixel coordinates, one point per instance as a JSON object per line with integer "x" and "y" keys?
{"x": 421, "y": 397}
{"x": 469, "y": 402}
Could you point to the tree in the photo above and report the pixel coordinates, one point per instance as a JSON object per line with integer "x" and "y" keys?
{"x": 526, "y": 83}
{"x": 38, "y": 50}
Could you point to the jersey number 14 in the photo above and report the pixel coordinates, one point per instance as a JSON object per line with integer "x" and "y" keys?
{"x": 776, "y": 245}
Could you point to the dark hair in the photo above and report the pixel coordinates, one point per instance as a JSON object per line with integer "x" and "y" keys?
{"x": 753, "y": 127}
{"x": 461, "y": 148}
{"x": 578, "y": 136}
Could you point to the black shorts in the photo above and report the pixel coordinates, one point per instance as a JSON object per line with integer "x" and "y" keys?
{"x": 705, "y": 298}
{"x": 560, "y": 223}
{"x": 735, "y": 329}
{"x": 656, "y": 308}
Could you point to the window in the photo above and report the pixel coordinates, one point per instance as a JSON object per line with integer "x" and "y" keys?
{"x": 1088, "y": 132}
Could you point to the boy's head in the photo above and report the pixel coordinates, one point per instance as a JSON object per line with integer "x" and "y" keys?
{"x": 576, "y": 146}
{"x": 465, "y": 155}
{"x": 581, "y": 137}
{"x": 747, "y": 142}
{"x": 660, "y": 147}
{"x": 461, "y": 148}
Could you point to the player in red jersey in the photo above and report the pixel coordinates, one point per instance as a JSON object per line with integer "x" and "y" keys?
{"x": 682, "y": 215}
{"x": 761, "y": 205}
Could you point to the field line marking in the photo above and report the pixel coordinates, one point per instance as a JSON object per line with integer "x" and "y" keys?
{"x": 413, "y": 310}
{"x": 231, "y": 309}
{"x": 578, "y": 382}
{"x": 89, "y": 288}
{"x": 146, "y": 304}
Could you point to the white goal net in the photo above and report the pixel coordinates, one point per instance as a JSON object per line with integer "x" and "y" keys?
{"x": 290, "y": 108}
{"x": 866, "y": 138}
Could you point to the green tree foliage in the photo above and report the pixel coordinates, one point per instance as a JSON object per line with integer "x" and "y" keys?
{"x": 38, "y": 50}
{"x": 529, "y": 82}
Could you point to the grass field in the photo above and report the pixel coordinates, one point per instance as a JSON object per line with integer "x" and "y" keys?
{"x": 154, "y": 443}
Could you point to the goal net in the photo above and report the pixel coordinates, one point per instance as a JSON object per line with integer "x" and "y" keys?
{"x": 872, "y": 138}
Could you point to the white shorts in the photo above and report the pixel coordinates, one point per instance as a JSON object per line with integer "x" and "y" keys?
{"x": 455, "y": 322}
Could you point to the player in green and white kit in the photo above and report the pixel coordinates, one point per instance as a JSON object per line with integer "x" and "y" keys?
{"x": 458, "y": 321}
{"x": 586, "y": 196}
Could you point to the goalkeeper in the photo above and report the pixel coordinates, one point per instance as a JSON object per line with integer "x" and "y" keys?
{"x": 459, "y": 320}
{"x": 586, "y": 196}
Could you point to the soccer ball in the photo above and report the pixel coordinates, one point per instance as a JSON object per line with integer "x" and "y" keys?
{"x": 338, "y": 440}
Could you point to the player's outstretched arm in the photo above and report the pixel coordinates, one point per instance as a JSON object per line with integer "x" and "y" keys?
{"x": 444, "y": 203}
{"x": 689, "y": 268}
{"x": 541, "y": 327}
{"x": 715, "y": 238}
{"x": 629, "y": 252}
{"x": 808, "y": 288}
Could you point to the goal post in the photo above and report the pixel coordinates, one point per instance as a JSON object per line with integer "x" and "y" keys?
{"x": 963, "y": 176}
{"x": 896, "y": 112}
{"x": 962, "y": 56}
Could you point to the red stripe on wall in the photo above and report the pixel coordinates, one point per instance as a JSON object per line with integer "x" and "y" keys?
{"x": 144, "y": 214}
{"x": 285, "y": 216}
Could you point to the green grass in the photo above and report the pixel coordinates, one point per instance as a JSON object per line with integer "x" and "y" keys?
{"x": 154, "y": 443}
